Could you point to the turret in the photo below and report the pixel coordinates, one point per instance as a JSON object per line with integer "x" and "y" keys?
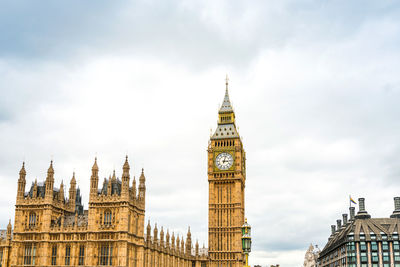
{"x": 188, "y": 242}
{"x": 35, "y": 188}
{"x": 177, "y": 243}
{"x": 61, "y": 196}
{"x": 148, "y": 232}
{"x": 197, "y": 248}
{"x": 155, "y": 233}
{"x": 72, "y": 193}
{"x": 125, "y": 179}
{"x": 182, "y": 246}
{"x": 94, "y": 179}
{"x": 167, "y": 238}
{"x": 162, "y": 236}
{"x": 49, "y": 183}
{"x": 9, "y": 230}
{"x": 21, "y": 183}
{"x": 142, "y": 187}
{"x": 109, "y": 185}
{"x": 134, "y": 187}
{"x": 173, "y": 241}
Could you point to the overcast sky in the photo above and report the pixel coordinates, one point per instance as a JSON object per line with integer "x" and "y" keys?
{"x": 315, "y": 86}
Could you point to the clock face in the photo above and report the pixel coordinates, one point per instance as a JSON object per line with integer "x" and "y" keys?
{"x": 224, "y": 161}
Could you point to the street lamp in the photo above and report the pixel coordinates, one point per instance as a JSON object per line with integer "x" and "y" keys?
{"x": 246, "y": 240}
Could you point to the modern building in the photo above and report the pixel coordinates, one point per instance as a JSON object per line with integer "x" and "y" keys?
{"x": 51, "y": 229}
{"x": 363, "y": 241}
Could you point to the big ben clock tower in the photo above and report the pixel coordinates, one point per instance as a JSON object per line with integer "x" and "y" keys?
{"x": 226, "y": 178}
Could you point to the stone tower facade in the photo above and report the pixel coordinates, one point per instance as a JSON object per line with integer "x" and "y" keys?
{"x": 226, "y": 177}
{"x": 52, "y": 229}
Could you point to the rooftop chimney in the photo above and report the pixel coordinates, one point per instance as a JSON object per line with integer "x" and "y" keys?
{"x": 344, "y": 219}
{"x": 339, "y": 224}
{"x": 362, "y": 213}
{"x": 333, "y": 228}
{"x": 396, "y": 212}
{"x": 352, "y": 213}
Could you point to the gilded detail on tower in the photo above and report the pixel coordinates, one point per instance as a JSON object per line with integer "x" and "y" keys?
{"x": 226, "y": 177}
{"x": 53, "y": 229}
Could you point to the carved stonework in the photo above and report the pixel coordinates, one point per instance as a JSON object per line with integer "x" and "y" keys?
{"x": 310, "y": 259}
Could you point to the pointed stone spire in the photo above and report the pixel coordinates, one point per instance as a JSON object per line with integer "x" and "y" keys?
{"x": 197, "y": 248}
{"x": 73, "y": 180}
{"x": 9, "y": 230}
{"x": 142, "y": 186}
{"x": 173, "y": 240}
{"x": 155, "y": 233}
{"x": 61, "y": 193}
{"x": 148, "y": 233}
{"x": 34, "y": 193}
{"x": 50, "y": 171}
{"x": 95, "y": 167}
{"x": 22, "y": 172}
{"x": 182, "y": 246}
{"x": 167, "y": 238}
{"x": 109, "y": 186}
{"x": 188, "y": 242}
{"x": 125, "y": 180}
{"x": 126, "y": 164}
{"x": 94, "y": 180}
{"x": 49, "y": 182}
{"x": 114, "y": 178}
{"x": 134, "y": 187}
{"x": 177, "y": 243}
{"x": 21, "y": 183}
{"x": 72, "y": 193}
{"x": 226, "y": 106}
{"x": 162, "y": 236}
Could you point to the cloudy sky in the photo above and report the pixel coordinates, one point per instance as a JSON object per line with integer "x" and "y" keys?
{"x": 315, "y": 86}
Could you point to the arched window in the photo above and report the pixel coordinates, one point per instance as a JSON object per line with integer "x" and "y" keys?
{"x": 32, "y": 219}
{"x": 107, "y": 217}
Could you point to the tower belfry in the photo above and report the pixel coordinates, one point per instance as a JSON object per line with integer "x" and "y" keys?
{"x": 226, "y": 177}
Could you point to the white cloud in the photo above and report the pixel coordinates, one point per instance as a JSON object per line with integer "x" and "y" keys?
{"x": 315, "y": 96}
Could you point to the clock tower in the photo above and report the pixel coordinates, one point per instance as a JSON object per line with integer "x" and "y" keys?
{"x": 226, "y": 178}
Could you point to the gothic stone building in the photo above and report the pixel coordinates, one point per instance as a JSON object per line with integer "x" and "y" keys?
{"x": 52, "y": 229}
{"x": 363, "y": 241}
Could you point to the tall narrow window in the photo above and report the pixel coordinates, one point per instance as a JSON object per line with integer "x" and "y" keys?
{"x": 81, "y": 260}
{"x": 32, "y": 219}
{"x": 67, "y": 255}
{"x": 29, "y": 254}
{"x": 54, "y": 255}
{"x": 105, "y": 255}
{"x": 1, "y": 257}
{"x": 107, "y": 217}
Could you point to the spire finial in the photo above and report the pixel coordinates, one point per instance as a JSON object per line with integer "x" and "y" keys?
{"x": 226, "y": 104}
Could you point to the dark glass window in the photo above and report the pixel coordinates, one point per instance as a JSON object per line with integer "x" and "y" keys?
{"x": 29, "y": 254}
{"x": 107, "y": 217}
{"x": 374, "y": 257}
{"x": 67, "y": 255}
{"x": 105, "y": 254}
{"x": 396, "y": 245}
{"x": 81, "y": 260}
{"x": 385, "y": 245}
{"x": 54, "y": 255}
{"x": 363, "y": 246}
{"x": 32, "y": 219}
{"x": 374, "y": 246}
